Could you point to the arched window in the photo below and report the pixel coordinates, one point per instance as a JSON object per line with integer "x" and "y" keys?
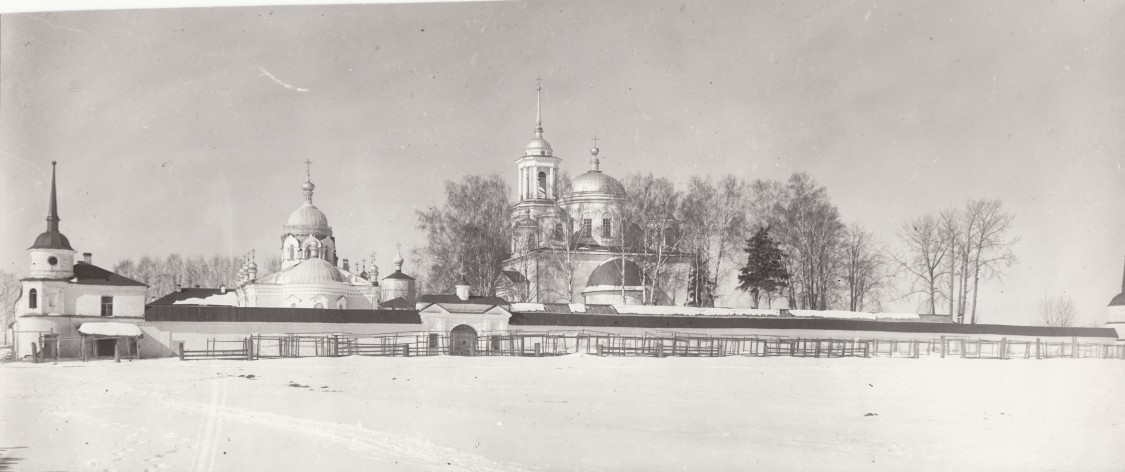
{"x": 542, "y": 185}
{"x": 292, "y": 252}
{"x": 33, "y": 298}
{"x": 587, "y": 227}
{"x": 558, "y": 231}
{"x": 292, "y": 305}
{"x": 308, "y": 252}
{"x": 318, "y": 305}
{"x": 607, "y": 227}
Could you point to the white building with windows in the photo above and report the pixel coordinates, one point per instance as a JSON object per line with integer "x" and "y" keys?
{"x": 60, "y": 295}
{"x": 567, "y": 243}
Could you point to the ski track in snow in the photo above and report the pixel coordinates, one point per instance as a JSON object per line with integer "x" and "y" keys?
{"x": 354, "y": 437}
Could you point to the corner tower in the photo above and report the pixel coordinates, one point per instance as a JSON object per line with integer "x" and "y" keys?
{"x": 51, "y": 255}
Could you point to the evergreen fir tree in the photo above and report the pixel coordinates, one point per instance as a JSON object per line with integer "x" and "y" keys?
{"x": 764, "y": 272}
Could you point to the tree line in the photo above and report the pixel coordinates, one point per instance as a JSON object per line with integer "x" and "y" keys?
{"x": 783, "y": 240}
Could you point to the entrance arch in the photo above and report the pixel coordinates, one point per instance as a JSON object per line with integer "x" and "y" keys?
{"x": 462, "y": 341}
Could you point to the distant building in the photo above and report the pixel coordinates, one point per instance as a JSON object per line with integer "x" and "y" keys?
{"x": 60, "y": 296}
{"x": 568, "y": 245}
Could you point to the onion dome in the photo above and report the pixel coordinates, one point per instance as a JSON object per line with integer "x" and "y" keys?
{"x": 52, "y": 238}
{"x": 308, "y": 219}
{"x": 609, "y": 274}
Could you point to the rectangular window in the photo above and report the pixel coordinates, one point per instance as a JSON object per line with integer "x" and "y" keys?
{"x": 607, "y": 228}
{"x": 587, "y": 227}
{"x": 107, "y": 306}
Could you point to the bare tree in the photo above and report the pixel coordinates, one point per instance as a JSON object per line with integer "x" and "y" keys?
{"x": 864, "y": 268}
{"x": 809, "y": 229}
{"x": 10, "y": 292}
{"x": 716, "y": 221}
{"x": 989, "y": 245}
{"x": 657, "y": 238}
{"x": 926, "y": 259}
{"x": 956, "y": 233}
{"x": 1058, "y": 311}
{"x": 471, "y": 230}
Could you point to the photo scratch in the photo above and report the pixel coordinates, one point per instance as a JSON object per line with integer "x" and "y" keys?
{"x": 267, "y": 73}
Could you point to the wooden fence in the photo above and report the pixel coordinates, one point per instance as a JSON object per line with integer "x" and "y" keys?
{"x": 654, "y": 344}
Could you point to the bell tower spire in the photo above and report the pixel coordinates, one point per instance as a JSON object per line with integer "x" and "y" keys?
{"x": 539, "y": 107}
{"x": 53, "y": 209}
{"x": 308, "y": 187}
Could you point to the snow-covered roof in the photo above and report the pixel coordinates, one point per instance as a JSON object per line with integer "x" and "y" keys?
{"x": 853, "y": 315}
{"x": 109, "y": 328}
{"x": 692, "y": 311}
{"x": 226, "y": 299}
{"x": 528, "y": 307}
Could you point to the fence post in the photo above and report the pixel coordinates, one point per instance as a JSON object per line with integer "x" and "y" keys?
{"x": 34, "y": 353}
{"x": 866, "y": 344}
{"x": 1074, "y": 347}
{"x": 1003, "y": 348}
{"x": 963, "y": 349}
{"x": 117, "y": 350}
{"x": 537, "y": 349}
{"x": 248, "y": 345}
{"x": 180, "y": 349}
{"x": 943, "y": 347}
{"x": 1038, "y": 354}
{"x": 601, "y": 350}
{"x": 915, "y": 348}
{"x": 405, "y": 350}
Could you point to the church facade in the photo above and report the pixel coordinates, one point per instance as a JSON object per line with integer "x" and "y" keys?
{"x": 570, "y": 245}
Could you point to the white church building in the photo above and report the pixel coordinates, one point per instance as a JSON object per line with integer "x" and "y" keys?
{"x": 61, "y": 298}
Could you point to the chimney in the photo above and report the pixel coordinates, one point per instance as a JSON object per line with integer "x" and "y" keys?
{"x": 346, "y": 266}
{"x": 88, "y": 258}
{"x": 463, "y": 289}
{"x": 223, "y": 289}
{"x": 179, "y": 288}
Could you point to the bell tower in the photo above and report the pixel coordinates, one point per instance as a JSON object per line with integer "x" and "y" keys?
{"x": 51, "y": 256}
{"x": 537, "y": 169}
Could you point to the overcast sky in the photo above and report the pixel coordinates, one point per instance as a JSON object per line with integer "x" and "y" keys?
{"x": 184, "y": 130}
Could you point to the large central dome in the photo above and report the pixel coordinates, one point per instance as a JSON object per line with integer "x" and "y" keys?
{"x": 307, "y": 215}
{"x": 596, "y": 182}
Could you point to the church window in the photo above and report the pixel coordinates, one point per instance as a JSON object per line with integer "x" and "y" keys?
{"x": 52, "y": 260}
{"x": 542, "y": 185}
{"x": 558, "y": 231}
{"x": 531, "y": 241}
{"x": 292, "y": 253}
{"x": 587, "y": 227}
{"x": 607, "y": 227}
{"x": 107, "y": 306}
{"x": 33, "y": 298}
{"x": 318, "y": 305}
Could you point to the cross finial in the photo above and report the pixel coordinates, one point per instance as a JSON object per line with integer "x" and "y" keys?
{"x": 308, "y": 169}
{"x": 539, "y": 83}
{"x": 595, "y": 139}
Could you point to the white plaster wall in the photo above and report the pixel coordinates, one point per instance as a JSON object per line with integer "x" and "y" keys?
{"x": 85, "y": 300}
{"x": 40, "y": 268}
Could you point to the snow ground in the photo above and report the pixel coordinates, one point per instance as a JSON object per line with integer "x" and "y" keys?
{"x": 574, "y": 412}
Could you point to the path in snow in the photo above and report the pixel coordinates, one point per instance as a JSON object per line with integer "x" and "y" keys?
{"x": 568, "y": 413}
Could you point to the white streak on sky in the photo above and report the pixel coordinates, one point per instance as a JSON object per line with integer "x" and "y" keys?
{"x": 283, "y": 84}
{"x": 48, "y": 23}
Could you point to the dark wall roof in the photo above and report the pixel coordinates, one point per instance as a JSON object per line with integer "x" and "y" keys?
{"x": 278, "y": 315}
{"x": 679, "y": 322}
{"x": 185, "y": 294}
{"x": 89, "y": 274}
{"x": 397, "y": 303}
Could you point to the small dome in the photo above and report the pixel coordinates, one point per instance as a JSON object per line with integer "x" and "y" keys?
{"x": 52, "y": 240}
{"x": 308, "y": 186}
{"x": 597, "y": 182}
{"x": 609, "y": 273}
{"x": 307, "y": 215}
{"x": 312, "y": 272}
{"x": 537, "y": 147}
{"x": 398, "y": 260}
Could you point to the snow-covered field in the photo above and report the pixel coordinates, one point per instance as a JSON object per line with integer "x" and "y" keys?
{"x": 569, "y": 413}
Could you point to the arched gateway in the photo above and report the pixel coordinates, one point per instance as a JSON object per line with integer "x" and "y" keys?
{"x": 462, "y": 341}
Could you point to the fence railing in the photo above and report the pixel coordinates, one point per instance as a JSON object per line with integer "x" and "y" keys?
{"x": 654, "y": 344}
